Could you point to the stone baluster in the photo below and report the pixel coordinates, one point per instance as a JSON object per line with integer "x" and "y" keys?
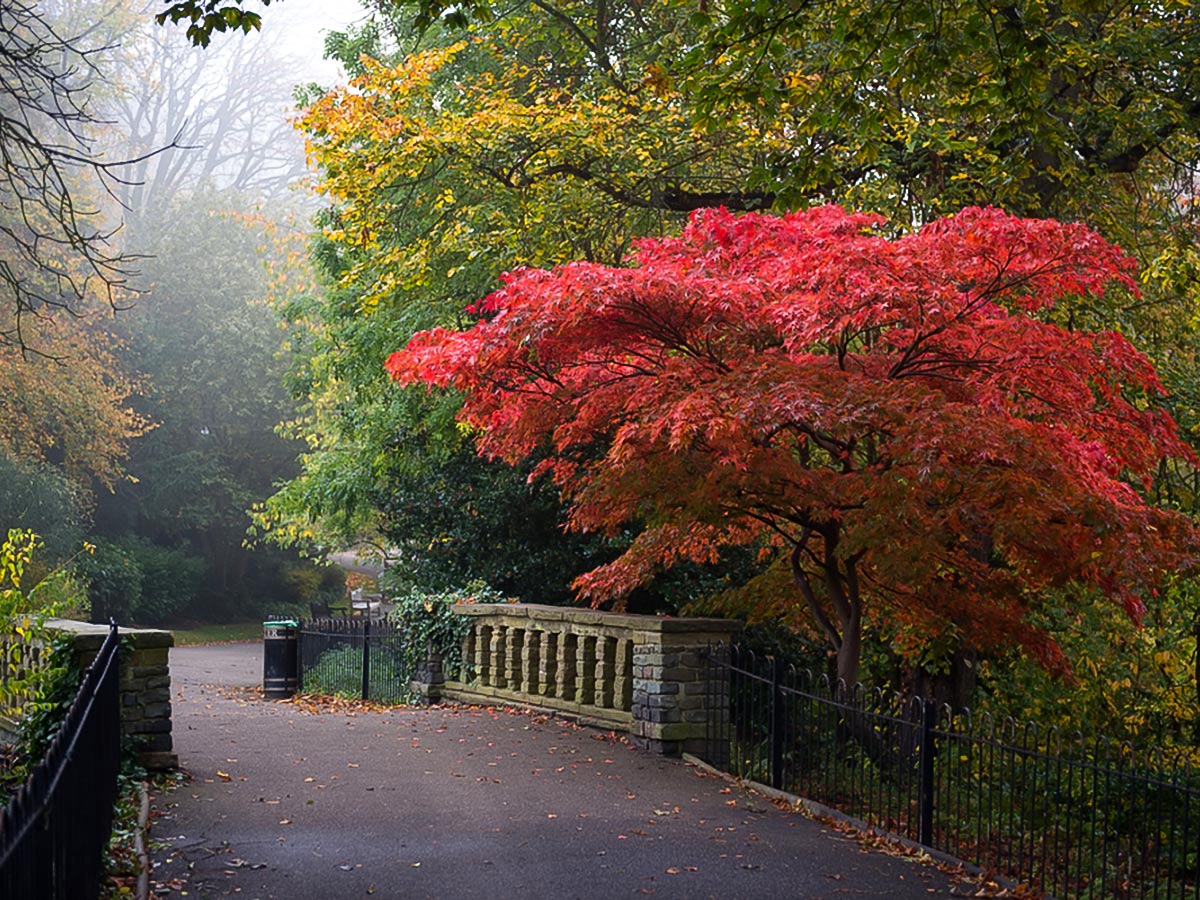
{"x": 468, "y": 653}
{"x": 585, "y": 671}
{"x": 623, "y": 682}
{"x": 530, "y": 666}
{"x": 565, "y": 681}
{"x": 606, "y": 659}
{"x": 548, "y": 663}
{"x": 497, "y": 663}
{"x": 513, "y": 657}
{"x": 483, "y": 654}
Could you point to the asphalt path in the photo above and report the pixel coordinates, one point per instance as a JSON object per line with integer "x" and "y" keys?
{"x": 296, "y": 803}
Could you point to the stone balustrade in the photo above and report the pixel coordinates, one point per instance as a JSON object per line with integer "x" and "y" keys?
{"x": 640, "y": 674}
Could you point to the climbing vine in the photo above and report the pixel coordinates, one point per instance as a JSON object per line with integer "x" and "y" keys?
{"x": 431, "y": 623}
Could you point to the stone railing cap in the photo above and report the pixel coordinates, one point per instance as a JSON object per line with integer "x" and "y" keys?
{"x": 626, "y": 621}
{"x": 146, "y": 637}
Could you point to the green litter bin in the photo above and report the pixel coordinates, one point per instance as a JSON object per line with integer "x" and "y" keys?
{"x": 281, "y": 659}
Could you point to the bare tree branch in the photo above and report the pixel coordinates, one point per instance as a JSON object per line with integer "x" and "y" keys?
{"x": 56, "y": 243}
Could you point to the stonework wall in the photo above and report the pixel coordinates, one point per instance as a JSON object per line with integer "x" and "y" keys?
{"x": 670, "y": 684}
{"x": 642, "y": 674}
{"x": 145, "y": 684}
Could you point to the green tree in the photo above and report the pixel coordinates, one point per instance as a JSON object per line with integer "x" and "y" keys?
{"x": 38, "y": 498}
{"x": 444, "y": 167}
{"x": 210, "y": 350}
{"x": 1079, "y": 111}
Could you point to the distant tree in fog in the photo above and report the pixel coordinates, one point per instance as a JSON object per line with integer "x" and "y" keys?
{"x": 223, "y": 112}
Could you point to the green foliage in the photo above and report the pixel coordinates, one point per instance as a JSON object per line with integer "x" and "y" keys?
{"x": 430, "y": 623}
{"x": 25, "y": 605}
{"x": 114, "y": 581}
{"x": 171, "y": 577}
{"x": 445, "y": 512}
{"x": 310, "y": 585}
{"x": 1127, "y": 683}
{"x": 1044, "y": 109}
{"x": 39, "y": 498}
{"x": 338, "y": 673}
{"x": 207, "y": 17}
{"x": 58, "y": 684}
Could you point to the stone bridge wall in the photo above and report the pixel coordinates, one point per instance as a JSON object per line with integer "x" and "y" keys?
{"x": 145, "y": 683}
{"x": 640, "y": 674}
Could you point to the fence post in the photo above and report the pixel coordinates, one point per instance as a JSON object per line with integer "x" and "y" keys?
{"x": 366, "y": 665}
{"x": 300, "y": 656}
{"x": 778, "y": 719}
{"x": 928, "y": 721}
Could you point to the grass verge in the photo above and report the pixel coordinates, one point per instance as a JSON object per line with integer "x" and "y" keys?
{"x": 218, "y": 634}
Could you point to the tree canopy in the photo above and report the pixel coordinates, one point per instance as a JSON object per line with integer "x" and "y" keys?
{"x": 442, "y": 168}
{"x": 894, "y": 416}
{"x": 205, "y": 18}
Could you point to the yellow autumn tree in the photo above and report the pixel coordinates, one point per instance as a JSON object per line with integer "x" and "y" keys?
{"x": 545, "y": 136}
{"x": 69, "y": 402}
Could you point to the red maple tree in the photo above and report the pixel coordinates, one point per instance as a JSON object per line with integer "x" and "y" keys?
{"x": 895, "y": 417}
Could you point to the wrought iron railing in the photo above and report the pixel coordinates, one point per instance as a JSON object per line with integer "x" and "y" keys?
{"x": 54, "y": 831}
{"x": 1069, "y": 817}
{"x": 361, "y": 658}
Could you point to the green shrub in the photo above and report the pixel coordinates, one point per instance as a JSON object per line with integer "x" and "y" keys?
{"x": 171, "y": 579}
{"x": 429, "y": 621}
{"x": 338, "y": 672}
{"x": 309, "y": 584}
{"x": 114, "y": 581}
{"x": 38, "y": 498}
{"x": 25, "y": 604}
{"x": 424, "y": 621}
{"x": 60, "y": 680}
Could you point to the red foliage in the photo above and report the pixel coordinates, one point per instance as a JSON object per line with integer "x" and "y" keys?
{"x": 891, "y": 412}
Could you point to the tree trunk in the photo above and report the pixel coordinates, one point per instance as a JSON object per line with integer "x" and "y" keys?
{"x": 849, "y": 654}
{"x": 954, "y": 687}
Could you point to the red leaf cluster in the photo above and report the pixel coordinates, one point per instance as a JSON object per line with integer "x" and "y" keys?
{"x": 897, "y": 414}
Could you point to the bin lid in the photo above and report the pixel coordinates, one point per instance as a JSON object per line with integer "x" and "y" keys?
{"x": 281, "y": 623}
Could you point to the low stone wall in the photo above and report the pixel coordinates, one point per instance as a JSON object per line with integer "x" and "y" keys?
{"x": 145, "y": 684}
{"x": 640, "y": 674}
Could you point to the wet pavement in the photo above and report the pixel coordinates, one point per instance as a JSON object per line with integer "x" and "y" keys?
{"x": 296, "y": 802}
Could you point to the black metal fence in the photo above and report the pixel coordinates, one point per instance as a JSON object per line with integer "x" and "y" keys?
{"x": 54, "y": 832}
{"x": 354, "y": 657}
{"x": 1068, "y": 817}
